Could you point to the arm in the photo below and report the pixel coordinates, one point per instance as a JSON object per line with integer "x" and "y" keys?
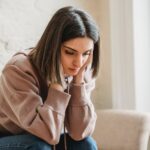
{"x": 80, "y": 115}
{"x": 25, "y": 106}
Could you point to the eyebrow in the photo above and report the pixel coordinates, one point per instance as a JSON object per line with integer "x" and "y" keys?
{"x": 76, "y": 50}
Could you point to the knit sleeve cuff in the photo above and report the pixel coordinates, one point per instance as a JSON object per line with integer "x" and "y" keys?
{"x": 78, "y": 95}
{"x": 57, "y": 100}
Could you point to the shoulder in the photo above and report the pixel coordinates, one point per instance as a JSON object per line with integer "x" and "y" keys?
{"x": 21, "y": 61}
{"x": 19, "y": 66}
{"x": 19, "y": 74}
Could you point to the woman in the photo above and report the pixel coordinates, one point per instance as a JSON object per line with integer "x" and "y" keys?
{"x": 47, "y": 88}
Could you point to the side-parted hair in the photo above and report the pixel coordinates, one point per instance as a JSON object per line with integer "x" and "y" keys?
{"x": 66, "y": 24}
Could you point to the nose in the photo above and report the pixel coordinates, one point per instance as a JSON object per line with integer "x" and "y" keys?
{"x": 78, "y": 61}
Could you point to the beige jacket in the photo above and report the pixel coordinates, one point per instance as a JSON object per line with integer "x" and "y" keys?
{"x": 20, "y": 98}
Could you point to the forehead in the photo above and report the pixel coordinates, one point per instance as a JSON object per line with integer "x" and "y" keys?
{"x": 80, "y": 44}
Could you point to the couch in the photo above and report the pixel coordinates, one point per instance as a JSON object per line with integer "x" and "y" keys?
{"x": 122, "y": 130}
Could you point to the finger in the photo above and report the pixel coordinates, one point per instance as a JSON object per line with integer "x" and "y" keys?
{"x": 89, "y": 60}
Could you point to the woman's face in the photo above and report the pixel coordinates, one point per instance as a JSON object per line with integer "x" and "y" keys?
{"x": 74, "y": 53}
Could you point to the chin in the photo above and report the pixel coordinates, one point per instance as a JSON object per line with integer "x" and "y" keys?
{"x": 71, "y": 74}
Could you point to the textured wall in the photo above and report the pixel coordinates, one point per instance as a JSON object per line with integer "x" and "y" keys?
{"x": 23, "y": 21}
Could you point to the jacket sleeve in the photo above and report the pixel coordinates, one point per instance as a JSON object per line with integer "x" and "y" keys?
{"x": 26, "y": 108}
{"x": 80, "y": 116}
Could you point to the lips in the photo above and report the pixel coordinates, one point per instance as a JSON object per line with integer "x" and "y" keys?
{"x": 74, "y": 69}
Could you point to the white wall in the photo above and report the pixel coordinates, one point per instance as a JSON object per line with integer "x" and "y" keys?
{"x": 126, "y": 25}
{"x": 123, "y": 81}
{"x": 23, "y": 21}
{"x": 141, "y": 15}
{"x": 117, "y": 73}
{"x": 103, "y": 90}
{"x": 122, "y": 64}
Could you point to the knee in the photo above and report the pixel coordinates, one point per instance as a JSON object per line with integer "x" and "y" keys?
{"x": 40, "y": 145}
{"x": 86, "y": 144}
{"x": 89, "y": 143}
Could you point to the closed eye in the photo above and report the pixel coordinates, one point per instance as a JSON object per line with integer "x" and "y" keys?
{"x": 87, "y": 53}
{"x": 69, "y": 52}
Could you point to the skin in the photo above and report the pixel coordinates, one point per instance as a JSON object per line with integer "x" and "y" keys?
{"x": 76, "y": 55}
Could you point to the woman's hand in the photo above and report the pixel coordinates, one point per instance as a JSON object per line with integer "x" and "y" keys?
{"x": 79, "y": 78}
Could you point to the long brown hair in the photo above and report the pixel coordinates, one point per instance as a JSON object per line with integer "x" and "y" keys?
{"x": 67, "y": 23}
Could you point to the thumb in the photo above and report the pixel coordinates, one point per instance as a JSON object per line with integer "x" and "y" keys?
{"x": 88, "y": 62}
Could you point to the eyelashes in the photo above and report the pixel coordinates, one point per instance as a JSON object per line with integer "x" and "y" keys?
{"x": 73, "y": 53}
{"x": 68, "y": 52}
{"x": 87, "y": 53}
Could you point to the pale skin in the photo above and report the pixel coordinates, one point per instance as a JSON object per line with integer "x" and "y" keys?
{"x": 76, "y": 55}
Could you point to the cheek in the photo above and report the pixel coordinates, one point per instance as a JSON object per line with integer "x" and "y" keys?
{"x": 65, "y": 61}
